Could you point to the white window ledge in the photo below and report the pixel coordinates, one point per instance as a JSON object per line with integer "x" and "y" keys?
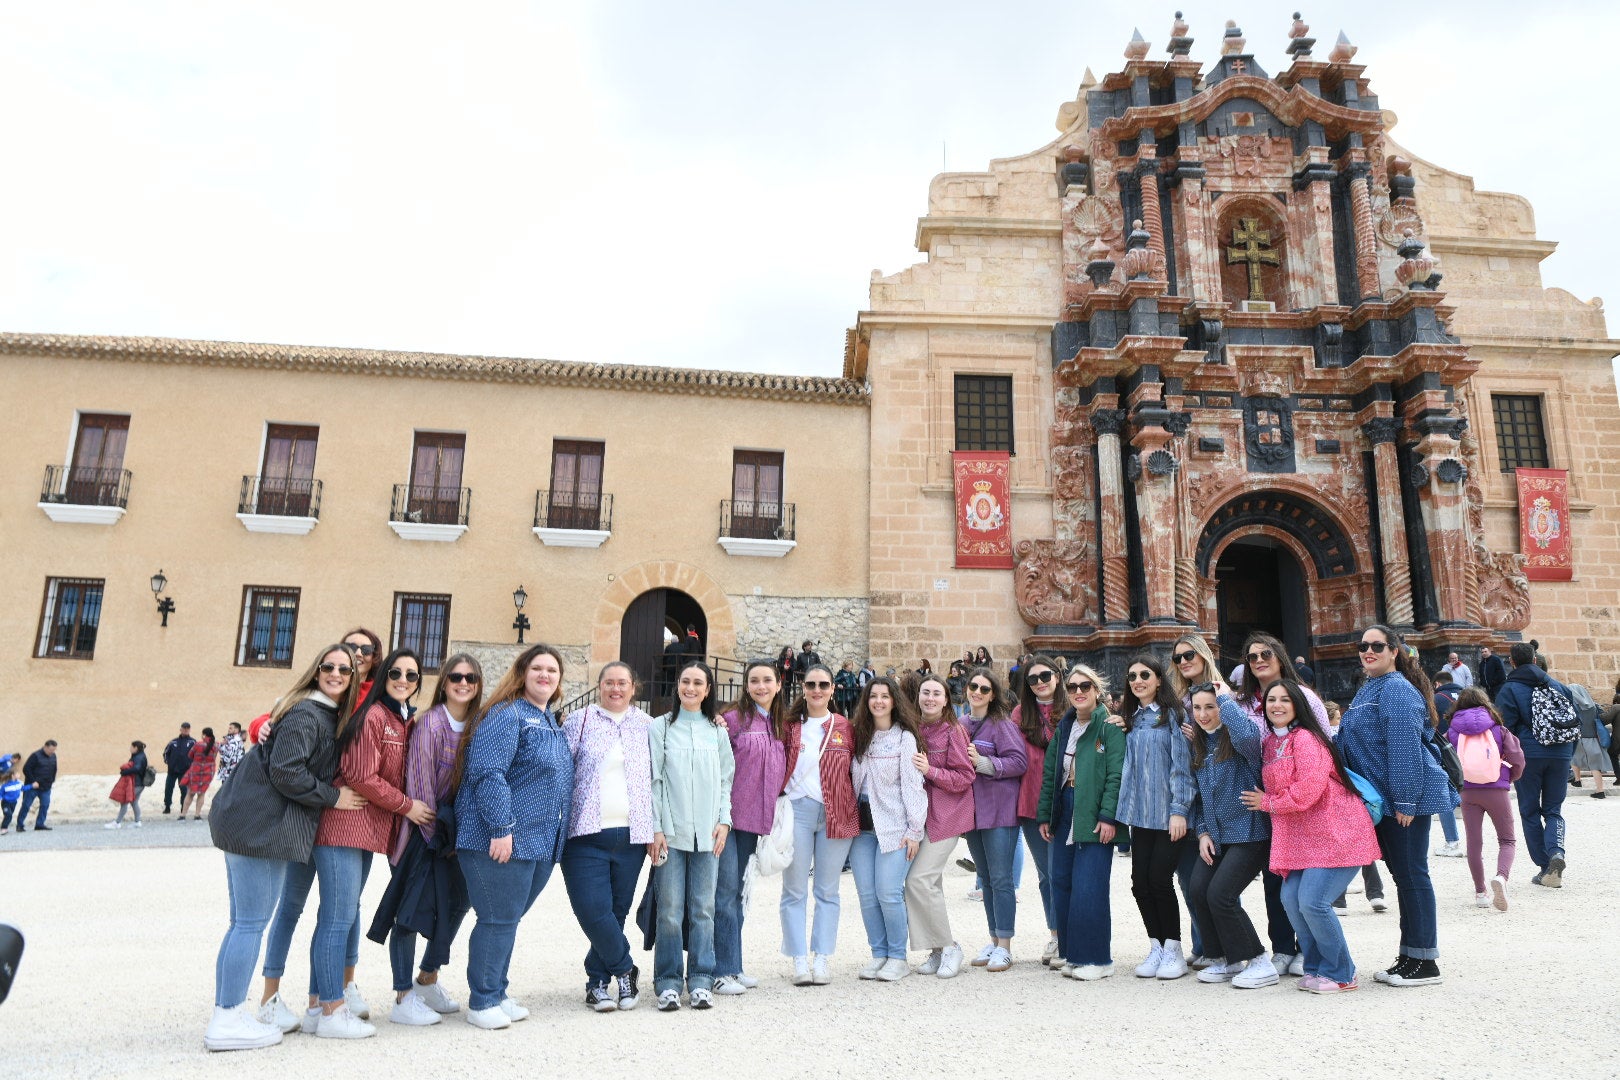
{"x": 73, "y": 513}
{"x": 580, "y": 538}
{"x": 277, "y": 523}
{"x": 416, "y": 530}
{"x": 764, "y": 549}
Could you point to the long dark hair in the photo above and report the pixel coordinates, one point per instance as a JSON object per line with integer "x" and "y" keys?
{"x": 706, "y": 706}
{"x": 441, "y": 692}
{"x": 1029, "y": 707}
{"x": 349, "y": 726}
{"x": 1305, "y": 720}
{"x": 998, "y": 693}
{"x": 1169, "y": 705}
{"x": 982, "y": 657}
{"x": 508, "y": 690}
{"x": 1407, "y": 665}
{"x": 1200, "y": 739}
{"x": 1285, "y": 667}
{"x": 777, "y": 714}
{"x": 801, "y": 709}
{"x": 903, "y": 714}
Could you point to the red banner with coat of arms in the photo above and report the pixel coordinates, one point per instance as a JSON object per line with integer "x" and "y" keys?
{"x": 983, "y": 509}
{"x": 1544, "y": 532}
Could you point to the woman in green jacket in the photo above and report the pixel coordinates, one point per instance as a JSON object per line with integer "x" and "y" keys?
{"x": 1079, "y": 795}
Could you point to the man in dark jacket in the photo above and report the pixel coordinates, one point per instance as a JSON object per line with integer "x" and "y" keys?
{"x": 807, "y": 658}
{"x": 1542, "y": 787}
{"x": 39, "y": 773}
{"x": 1445, "y": 698}
{"x": 177, "y": 758}
{"x": 1492, "y": 672}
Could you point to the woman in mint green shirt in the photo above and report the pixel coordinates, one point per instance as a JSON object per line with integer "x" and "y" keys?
{"x": 692, "y": 768}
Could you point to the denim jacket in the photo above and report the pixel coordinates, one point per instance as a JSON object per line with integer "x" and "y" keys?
{"x": 1218, "y": 812}
{"x": 518, "y": 781}
{"x": 1382, "y": 738}
{"x": 1158, "y": 781}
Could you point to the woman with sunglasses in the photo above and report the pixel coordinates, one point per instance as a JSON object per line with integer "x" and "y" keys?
{"x": 1382, "y": 736}
{"x": 947, "y": 772}
{"x": 513, "y": 781}
{"x": 1041, "y": 704}
{"x": 611, "y": 831}
{"x": 825, "y": 823}
{"x": 419, "y": 864}
{"x": 1081, "y": 776}
{"x": 1155, "y": 800}
{"x": 759, "y": 730}
{"x": 996, "y": 748}
{"x": 893, "y": 812}
{"x": 1191, "y": 663}
{"x": 367, "y": 647}
{"x": 264, "y": 821}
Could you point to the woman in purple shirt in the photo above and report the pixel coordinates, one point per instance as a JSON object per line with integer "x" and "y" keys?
{"x": 996, "y": 748}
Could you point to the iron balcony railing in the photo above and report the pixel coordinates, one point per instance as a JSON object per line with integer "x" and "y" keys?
{"x": 428, "y": 505}
{"x": 753, "y": 520}
{"x": 590, "y": 510}
{"x": 280, "y": 496}
{"x": 76, "y": 485}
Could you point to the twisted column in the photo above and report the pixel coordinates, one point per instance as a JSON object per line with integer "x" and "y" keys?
{"x": 1381, "y": 432}
{"x": 1116, "y": 582}
{"x": 1366, "y": 245}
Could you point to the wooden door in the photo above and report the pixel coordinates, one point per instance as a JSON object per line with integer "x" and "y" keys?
{"x": 575, "y": 501}
{"x": 641, "y": 639}
{"x": 288, "y": 471}
{"x": 436, "y": 477}
{"x": 756, "y": 493}
{"x": 98, "y": 460}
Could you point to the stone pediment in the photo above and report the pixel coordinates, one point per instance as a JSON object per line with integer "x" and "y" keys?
{"x": 1293, "y": 106}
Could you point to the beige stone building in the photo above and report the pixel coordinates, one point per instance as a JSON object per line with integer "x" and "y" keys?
{"x": 288, "y": 494}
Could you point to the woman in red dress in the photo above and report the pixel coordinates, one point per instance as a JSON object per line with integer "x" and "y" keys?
{"x": 204, "y": 756}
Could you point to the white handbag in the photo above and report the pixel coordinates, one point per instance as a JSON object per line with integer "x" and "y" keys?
{"x": 775, "y": 850}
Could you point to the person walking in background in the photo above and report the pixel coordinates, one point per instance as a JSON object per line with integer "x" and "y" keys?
{"x": 948, "y": 776}
{"x": 39, "y": 776}
{"x": 1492, "y": 672}
{"x": 996, "y": 748}
{"x": 231, "y": 749}
{"x": 1457, "y": 672}
{"x": 846, "y": 688}
{"x": 177, "y": 760}
{"x": 1539, "y": 710}
{"x": 1592, "y": 747}
{"x": 11, "y": 787}
{"x": 1491, "y": 760}
{"x": 204, "y": 754}
{"x": 131, "y": 780}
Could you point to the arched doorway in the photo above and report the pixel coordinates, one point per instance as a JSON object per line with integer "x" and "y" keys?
{"x": 657, "y": 617}
{"x": 1260, "y": 587}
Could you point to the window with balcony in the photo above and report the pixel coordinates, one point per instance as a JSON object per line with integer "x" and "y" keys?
{"x": 94, "y": 487}
{"x": 434, "y": 505}
{"x": 574, "y": 512}
{"x": 285, "y": 497}
{"x": 269, "y": 627}
{"x": 69, "y": 618}
{"x": 755, "y": 520}
{"x": 984, "y": 412}
{"x": 1521, "y": 437}
{"x": 422, "y": 624}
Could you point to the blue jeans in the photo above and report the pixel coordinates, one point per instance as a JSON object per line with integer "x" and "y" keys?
{"x": 342, "y": 872}
{"x": 811, "y": 849}
{"x": 1043, "y": 870}
{"x": 402, "y": 942}
{"x": 1190, "y": 860}
{"x": 1448, "y": 825}
{"x": 44, "y": 797}
{"x": 1406, "y": 853}
{"x": 501, "y": 894}
{"x": 254, "y": 886}
{"x": 1018, "y": 871}
{"x": 685, "y": 887}
{"x": 728, "y": 912}
{"x": 993, "y": 854}
{"x": 600, "y": 873}
{"x": 1079, "y": 875}
{"x": 294, "y": 894}
{"x": 880, "y": 879}
{"x": 1308, "y": 895}
{"x": 1541, "y": 792}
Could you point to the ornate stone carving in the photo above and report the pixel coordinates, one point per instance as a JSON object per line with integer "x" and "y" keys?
{"x": 1133, "y": 467}
{"x": 1071, "y": 472}
{"x": 1418, "y": 475}
{"x": 1268, "y": 432}
{"x": 1419, "y": 268}
{"x": 1108, "y": 421}
{"x": 1382, "y": 429}
{"x": 1246, "y": 152}
{"x": 1177, "y": 423}
{"x": 1504, "y": 591}
{"x": 1055, "y": 581}
{"x": 1161, "y": 463}
{"x": 1394, "y": 223}
{"x": 1096, "y": 218}
{"x": 1451, "y": 471}
{"x": 1259, "y": 383}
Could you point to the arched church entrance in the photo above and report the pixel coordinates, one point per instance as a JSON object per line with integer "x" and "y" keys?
{"x": 1260, "y": 588}
{"x": 653, "y": 639}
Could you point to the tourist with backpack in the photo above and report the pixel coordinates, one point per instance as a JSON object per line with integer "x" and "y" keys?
{"x": 1540, "y": 711}
{"x": 1491, "y": 759}
{"x": 1592, "y": 748}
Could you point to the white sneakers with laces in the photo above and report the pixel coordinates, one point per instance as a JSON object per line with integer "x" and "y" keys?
{"x": 341, "y": 1023}
{"x": 729, "y": 986}
{"x": 237, "y": 1028}
{"x": 491, "y": 1019}
{"x": 1499, "y": 892}
{"x": 930, "y": 966}
{"x": 700, "y": 998}
{"x": 436, "y": 998}
{"x": 818, "y": 970}
{"x": 950, "y": 962}
{"x": 1216, "y": 973}
{"x": 1149, "y": 968}
{"x": 412, "y": 1011}
{"x": 801, "y": 974}
{"x": 872, "y": 967}
{"x": 1172, "y": 964}
{"x": 893, "y": 970}
{"x": 1000, "y": 959}
{"x": 514, "y": 1012}
{"x": 1092, "y": 972}
{"x": 356, "y": 1002}
{"x": 1256, "y": 973}
{"x": 1050, "y": 953}
{"x": 275, "y": 1013}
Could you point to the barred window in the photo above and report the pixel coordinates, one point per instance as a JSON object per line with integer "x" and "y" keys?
{"x": 69, "y": 618}
{"x": 984, "y": 415}
{"x": 422, "y": 624}
{"x": 269, "y": 627}
{"x": 1521, "y": 437}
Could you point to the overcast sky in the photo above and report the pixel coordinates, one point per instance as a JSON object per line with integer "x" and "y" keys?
{"x": 694, "y": 183}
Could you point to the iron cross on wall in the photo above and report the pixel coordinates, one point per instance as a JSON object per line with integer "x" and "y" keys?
{"x": 1252, "y": 245}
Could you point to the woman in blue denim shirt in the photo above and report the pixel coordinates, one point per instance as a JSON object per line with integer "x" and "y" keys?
{"x": 514, "y": 780}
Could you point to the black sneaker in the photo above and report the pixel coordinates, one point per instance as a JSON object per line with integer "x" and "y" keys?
{"x": 629, "y": 995}
{"x": 47, "y": 828}
{"x": 1390, "y": 972}
{"x": 1416, "y": 973}
{"x": 598, "y": 998}
{"x": 967, "y": 864}
{"x": 1552, "y": 877}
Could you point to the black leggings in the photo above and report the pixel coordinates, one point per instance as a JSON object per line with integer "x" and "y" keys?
{"x": 1153, "y": 881}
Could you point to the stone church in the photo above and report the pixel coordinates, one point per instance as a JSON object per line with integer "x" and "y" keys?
{"x": 1257, "y": 366}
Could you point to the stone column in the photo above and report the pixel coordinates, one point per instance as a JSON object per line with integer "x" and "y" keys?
{"x": 1381, "y": 432}
{"x": 1156, "y": 515}
{"x": 1440, "y": 488}
{"x": 1147, "y": 174}
{"x": 1116, "y": 578}
{"x": 1366, "y": 243}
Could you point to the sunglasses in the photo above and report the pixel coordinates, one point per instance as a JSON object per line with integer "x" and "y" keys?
{"x": 819, "y": 684}
{"x": 1261, "y": 656}
{"x": 1083, "y": 686}
{"x": 459, "y": 677}
{"x": 1042, "y": 676}
{"x": 365, "y": 650}
{"x": 341, "y": 669}
{"x": 978, "y": 688}
{"x": 1183, "y": 657}
{"x": 1372, "y": 646}
{"x": 1201, "y": 688}
{"x": 395, "y": 674}
{"x": 1139, "y": 676}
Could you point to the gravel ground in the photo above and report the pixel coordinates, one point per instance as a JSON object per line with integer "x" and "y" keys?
{"x": 117, "y": 981}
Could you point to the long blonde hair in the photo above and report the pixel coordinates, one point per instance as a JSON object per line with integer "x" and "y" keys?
{"x": 1212, "y": 673}
{"x": 310, "y": 682}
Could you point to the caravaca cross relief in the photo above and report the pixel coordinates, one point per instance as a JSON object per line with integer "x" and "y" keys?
{"x": 1252, "y": 245}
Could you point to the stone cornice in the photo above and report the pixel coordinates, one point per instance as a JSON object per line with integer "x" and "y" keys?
{"x": 438, "y": 366}
{"x": 945, "y": 320}
{"x": 1490, "y": 245}
{"x": 934, "y": 224}
{"x": 1290, "y": 106}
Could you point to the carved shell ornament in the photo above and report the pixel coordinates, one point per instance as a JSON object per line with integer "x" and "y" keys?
{"x": 1393, "y": 224}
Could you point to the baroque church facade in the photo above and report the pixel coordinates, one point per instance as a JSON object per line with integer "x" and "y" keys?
{"x": 1262, "y": 364}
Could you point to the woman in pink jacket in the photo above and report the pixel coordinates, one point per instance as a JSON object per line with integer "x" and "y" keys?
{"x": 948, "y": 782}
{"x": 1321, "y": 833}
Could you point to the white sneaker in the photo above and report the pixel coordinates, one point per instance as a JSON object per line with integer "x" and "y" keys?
{"x": 1482, "y": 899}
{"x": 1281, "y": 960}
{"x": 341, "y": 1023}
{"x": 801, "y": 972}
{"x": 1451, "y": 850}
{"x": 1296, "y": 966}
{"x": 412, "y": 1010}
{"x": 120, "y": 825}
{"x": 1066, "y": 970}
{"x": 137, "y": 824}
{"x": 1050, "y": 953}
{"x": 748, "y": 981}
{"x": 818, "y": 970}
{"x": 984, "y": 955}
{"x": 701, "y": 999}
{"x": 1093, "y": 972}
{"x": 930, "y": 966}
{"x": 1378, "y": 904}
{"x": 950, "y": 962}
{"x": 1499, "y": 892}
{"x": 436, "y": 998}
{"x": 1148, "y": 968}
{"x": 976, "y": 895}
{"x": 870, "y": 971}
{"x": 1355, "y": 885}
{"x": 1257, "y": 973}
{"x": 1172, "y": 965}
{"x": 893, "y": 970}
{"x": 728, "y": 986}
{"x": 1200, "y": 962}
{"x": 356, "y": 1002}
{"x": 490, "y": 1019}
{"x": 309, "y": 1021}
{"x": 1216, "y": 973}
{"x": 669, "y": 1001}
{"x": 1000, "y": 960}
{"x": 514, "y": 1012}
{"x": 275, "y": 1013}
{"x": 237, "y": 1029}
